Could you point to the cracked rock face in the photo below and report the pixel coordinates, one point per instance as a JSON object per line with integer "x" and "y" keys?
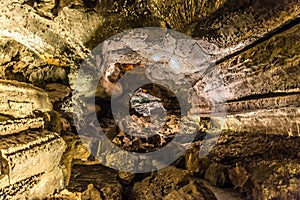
{"x": 166, "y": 56}
{"x": 240, "y": 23}
{"x": 11, "y": 126}
{"x": 24, "y": 144}
{"x": 16, "y": 164}
{"x": 245, "y": 52}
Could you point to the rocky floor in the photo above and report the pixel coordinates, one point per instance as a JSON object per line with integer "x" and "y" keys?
{"x": 238, "y": 167}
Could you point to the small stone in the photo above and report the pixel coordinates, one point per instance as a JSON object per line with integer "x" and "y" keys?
{"x": 57, "y": 91}
{"x": 91, "y": 193}
{"x": 194, "y": 189}
{"x": 238, "y": 176}
{"x": 159, "y": 184}
{"x": 217, "y": 175}
{"x": 127, "y": 176}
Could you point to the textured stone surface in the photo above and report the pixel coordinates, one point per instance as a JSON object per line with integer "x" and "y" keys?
{"x": 15, "y": 126}
{"x": 217, "y": 175}
{"x": 57, "y": 92}
{"x": 44, "y": 8}
{"x": 243, "y": 160}
{"x": 20, "y": 63}
{"x": 156, "y": 54}
{"x": 238, "y": 176}
{"x": 284, "y": 121}
{"x": 56, "y": 30}
{"x": 91, "y": 193}
{"x": 240, "y": 23}
{"x": 255, "y": 45}
{"x": 157, "y": 186}
{"x": 23, "y": 164}
{"x": 104, "y": 180}
{"x": 21, "y": 100}
{"x": 75, "y": 151}
{"x": 180, "y": 15}
{"x": 39, "y": 34}
{"x": 24, "y": 144}
{"x": 171, "y": 183}
{"x": 242, "y": 75}
{"x": 194, "y": 189}
{"x": 279, "y": 181}
{"x": 261, "y": 87}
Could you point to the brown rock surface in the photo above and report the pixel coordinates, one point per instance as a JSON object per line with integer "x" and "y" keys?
{"x": 91, "y": 193}
{"x": 255, "y": 46}
{"x": 217, "y": 175}
{"x": 180, "y": 15}
{"x": 103, "y": 179}
{"x": 241, "y": 23}
{"x": 261, "y": 87}
{"x": 157, "y": 186}
{"x": 243, "y": 160}
{"x": 57, "y": 92}
{"x": 193, "y": 190}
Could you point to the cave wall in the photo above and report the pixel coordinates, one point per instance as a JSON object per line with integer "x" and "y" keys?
{"x": 254, "y": 45}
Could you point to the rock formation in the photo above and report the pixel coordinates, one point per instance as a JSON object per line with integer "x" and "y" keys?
{"x": 30, "y": 154}
{"x": 240, "y": 57}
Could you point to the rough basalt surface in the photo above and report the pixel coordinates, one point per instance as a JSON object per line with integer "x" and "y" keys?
{"x": 242, "y": 159}
{"x": 238, "y": 24}
{"x": 22, "y": 159}
{"x": 180, "y": 15}
{"x": 244, "y": 68}
{"x": 261, "y": 87}
{"x": 17, "y": 125}
{"x": 25, "y": 143}
{"x": 20, "y": 100}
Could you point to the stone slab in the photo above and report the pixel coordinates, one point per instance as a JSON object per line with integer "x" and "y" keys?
{"x": 21, "y": 100}
{"x": 17, "y": 125}
{"x": 31, "y": 155}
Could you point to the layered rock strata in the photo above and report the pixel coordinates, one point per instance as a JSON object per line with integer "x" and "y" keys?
{"x": 254, "y": 45}
{"x": 261, "y": 88}
{"x": 25, "y": 144}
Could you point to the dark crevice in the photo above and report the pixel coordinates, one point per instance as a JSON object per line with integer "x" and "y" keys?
{"x": 32, "y": 146}
{"x": 262, "y": 96}
{"x": 288, "y": 25}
